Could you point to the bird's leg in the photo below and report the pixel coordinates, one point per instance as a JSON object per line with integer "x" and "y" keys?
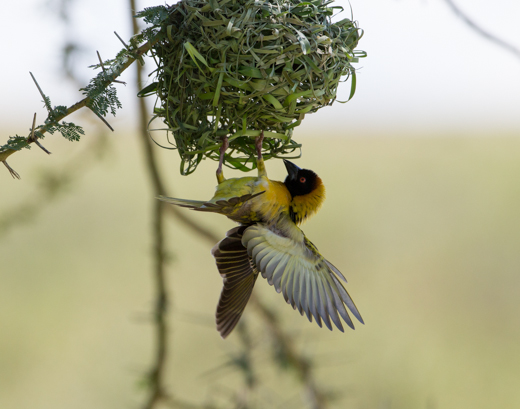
{"x": 220, "y": 173}
{"x": 260, "y": 161}
{"x": 258, "y": 144}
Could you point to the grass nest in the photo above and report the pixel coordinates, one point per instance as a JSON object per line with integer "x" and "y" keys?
{"x": 233, "y": 68}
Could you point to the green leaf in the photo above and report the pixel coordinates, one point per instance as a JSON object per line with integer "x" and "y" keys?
{"x": 274, "y": 102}
{"x": 148, "y": 90}
{"x": 251, "y": 72}
{"x": 15, "y": 143}
{"x": 218, "y": 88}
{"x": 195, "y": 55}
{"x": 295, "y": 95}
{"x": 237, "y": 83}
{"x": 304, "y": 43}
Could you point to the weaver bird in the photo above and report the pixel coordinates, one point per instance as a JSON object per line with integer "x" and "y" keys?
{"x": 269, "y": 241}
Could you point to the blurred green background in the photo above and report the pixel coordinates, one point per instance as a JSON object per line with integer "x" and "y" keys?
{"x": 422, "y": 216}
{"x": 425, "y": 229}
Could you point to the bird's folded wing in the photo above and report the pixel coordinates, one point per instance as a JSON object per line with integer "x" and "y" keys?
{"x": 308, "y": 282}
{"x": 239, "y": 276}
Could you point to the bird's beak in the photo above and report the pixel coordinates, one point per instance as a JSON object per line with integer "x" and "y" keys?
{"x": 292, "y": 169}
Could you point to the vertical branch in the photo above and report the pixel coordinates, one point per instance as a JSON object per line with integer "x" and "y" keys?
{"x": 157, "y": 389}
{"x": 156, "y": 376}
{"x": 246, "y": 365}
{"x": 315, "y": 397}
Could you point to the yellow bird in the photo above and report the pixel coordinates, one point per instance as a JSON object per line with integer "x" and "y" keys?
{"x": 269, "y": 241}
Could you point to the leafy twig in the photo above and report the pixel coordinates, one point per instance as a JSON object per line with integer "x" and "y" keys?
{"x": 94, "y": 100}
{"x": 33, "y": 136}
{"x": 103, "y": 68}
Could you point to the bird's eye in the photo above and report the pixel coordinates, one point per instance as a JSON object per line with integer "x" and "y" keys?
{"x": 302, "y": 180}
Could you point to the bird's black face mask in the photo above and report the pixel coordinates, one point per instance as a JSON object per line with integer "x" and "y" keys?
{"x": 299, "y": 181}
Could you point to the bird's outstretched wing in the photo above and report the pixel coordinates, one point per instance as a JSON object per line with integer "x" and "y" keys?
{"x": 295, "y": 267}
{"x": 239, "y": 274}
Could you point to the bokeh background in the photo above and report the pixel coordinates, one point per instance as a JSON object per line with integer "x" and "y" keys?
{"x": 422, "y": 216}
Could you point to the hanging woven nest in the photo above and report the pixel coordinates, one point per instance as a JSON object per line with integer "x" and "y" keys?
{"x": 233, "y": 68}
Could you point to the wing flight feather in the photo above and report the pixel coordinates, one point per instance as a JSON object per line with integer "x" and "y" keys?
{"x": 293, "y": 265}
{"x": 239, "y": 277}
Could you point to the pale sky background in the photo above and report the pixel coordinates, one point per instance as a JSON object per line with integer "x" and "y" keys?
{"x": 426, "y": 71}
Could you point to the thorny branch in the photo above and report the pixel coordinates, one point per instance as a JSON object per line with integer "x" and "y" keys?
{"x": 477, "y": 28}
{"x": 143, "y": 49}
{"x": 33, "y": 137}
{"x": 157, "y": 390}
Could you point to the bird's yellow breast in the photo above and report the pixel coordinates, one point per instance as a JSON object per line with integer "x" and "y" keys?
{"x": 273, "y": 202}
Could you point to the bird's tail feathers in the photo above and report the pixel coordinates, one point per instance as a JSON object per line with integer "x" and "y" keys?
{"x": 220, "y": 206}
{"x": 190, "y": 204}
